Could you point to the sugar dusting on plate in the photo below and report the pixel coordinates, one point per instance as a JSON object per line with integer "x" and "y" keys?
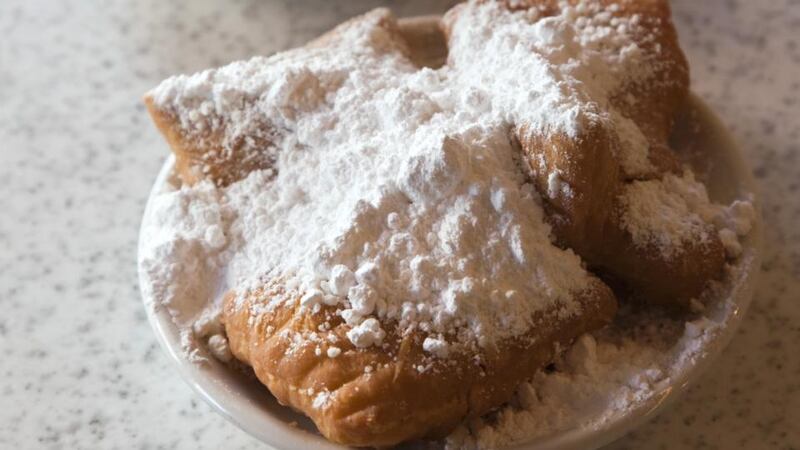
{"x": 607, "y": 374}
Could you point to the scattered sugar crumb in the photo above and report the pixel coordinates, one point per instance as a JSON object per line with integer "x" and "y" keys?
{"x": 219, "y": 348}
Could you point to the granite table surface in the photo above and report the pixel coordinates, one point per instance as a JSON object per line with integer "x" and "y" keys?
{"x": 79, "y": 364}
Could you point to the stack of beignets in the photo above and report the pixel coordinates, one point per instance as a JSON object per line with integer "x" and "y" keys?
{"x": 378, "y": 396}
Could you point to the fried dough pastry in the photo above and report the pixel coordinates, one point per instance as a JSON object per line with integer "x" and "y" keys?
{"x": 673, "y": 280}
{"x": 588, "y": 218}
{"x": 652, "y": 102}
{"x": 204, "y": 154}
{"x": 206, "y": 149}
{"x": 381, "y": 396}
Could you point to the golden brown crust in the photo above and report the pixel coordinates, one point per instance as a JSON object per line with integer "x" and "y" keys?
{"x": 653, "y": 277}
{"x": 204, "y": 155}
{"x": 588, "y": 164}
{"x": 658, "y": 98}
{"x": 395, "y": 401}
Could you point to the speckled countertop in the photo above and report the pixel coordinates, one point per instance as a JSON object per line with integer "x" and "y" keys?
{"x": 79, "y": 365}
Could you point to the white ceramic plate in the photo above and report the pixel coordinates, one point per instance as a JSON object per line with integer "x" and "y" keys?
{"x": 247, "y": 403}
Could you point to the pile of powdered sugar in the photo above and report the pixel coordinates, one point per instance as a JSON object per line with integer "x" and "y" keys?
{"x": 396, "y": 192}
{"x": 396, "y": 195}
{"x": 676, "y": 210}
{"x": 608, "y": 374}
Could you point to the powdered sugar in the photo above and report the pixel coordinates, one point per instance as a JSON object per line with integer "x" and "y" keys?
{"x": 321, "y": 400}
{"x": 402, "y": 175}
{"x": 604, "y": 376}
{"x": 436, "y": 346}
{"x": 565, "y": 69}
{"x": 182, "y": 262}
{"x": 395, "y": 196}
{"x": 218, "y": 346}
{"x": 366, "y": 333}
{"x": 664, "y": 212}
{"x": 556, "y": 186}
{"x": 675, "y": 210}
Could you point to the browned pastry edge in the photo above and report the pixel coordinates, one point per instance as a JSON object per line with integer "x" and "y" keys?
{"x": 671, "y": 281}
{"x": 384, "y": 20}
{"x": 588, "y": 164}
{"x": 395, "y": 402}
{"x": 204, "y": 155}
